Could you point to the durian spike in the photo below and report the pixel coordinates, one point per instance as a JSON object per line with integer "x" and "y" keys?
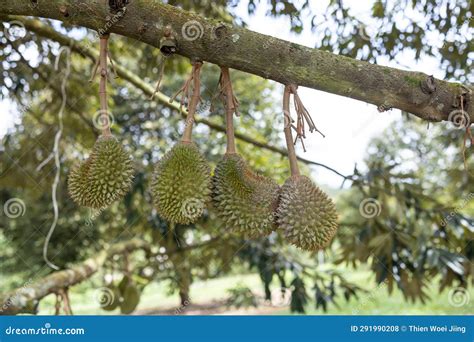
{"x": 295, "y": 171}
{"x": 231, "y": 104}
{"x": 103, "y": 55}
{"x": 192, "y": 102}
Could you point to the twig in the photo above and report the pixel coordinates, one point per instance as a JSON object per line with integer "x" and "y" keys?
{"x": 231, "y": 105}
{"x": 288, "y": 136}
{"x": 104, "y": 114}
{"x": 160, "y": 76}
{"x": 191, "y": 98}
{"x": 302, "y": 117}
{"x": 64, "y": 294}
{"x": 57, "y": 305}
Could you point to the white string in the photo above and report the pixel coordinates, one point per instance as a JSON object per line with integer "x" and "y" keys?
{"x": 57, "y": 161}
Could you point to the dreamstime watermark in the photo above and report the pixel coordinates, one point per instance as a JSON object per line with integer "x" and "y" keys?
{"x": 365, "y": 34}
{"x": 459, "y": 118}
{"x": 104, "y": 296}
{"x": 100, "y": 120}
{"x": 203, "y": 107}
{"x": 192, "y": 30}
{"x": 458, "y": 297}
{"x": 17, "y": 296}
{"x": 370, "y": 208}
{"x": 46, "y": 330}
{"x": 369, "y": 298}
{"x": 14, "y": 208}
{"x": 93, "y": 215}
{"x": 287, "y": 120}
{"x": 15, "y": 30}
{"x": 281, "y": 297}
{"x": 270, "y": 41}
{"x": 110, "y": 21}
{"x": 457, "y": 209}
{"x": 192, "y": 208}
{"x": 180, "y": 310}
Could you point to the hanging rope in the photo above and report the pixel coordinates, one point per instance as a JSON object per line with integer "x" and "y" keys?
{"x": 57, "y": 160}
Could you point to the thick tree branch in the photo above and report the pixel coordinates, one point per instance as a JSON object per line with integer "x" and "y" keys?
{"x": 26, "y": 298}
{"x": 45, "y": 31}
{"x": 276, "y": 59}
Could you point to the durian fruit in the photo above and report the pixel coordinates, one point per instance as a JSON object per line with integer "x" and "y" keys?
{"x": 110, "y": 172}
{"x": 78, "y": 182}
{"x": 130, "y": 295}
{"x": 245, "y": 201}
{"x": 306, "y": 215}
{"x": 181, "y": 185}
{"x": 104, "y": 177}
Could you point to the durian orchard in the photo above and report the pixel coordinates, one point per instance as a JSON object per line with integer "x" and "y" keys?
{"x": 183, "y": 186}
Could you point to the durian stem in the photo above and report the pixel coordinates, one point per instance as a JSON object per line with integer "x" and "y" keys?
{"x": 230, "y": 108}
{"x": 195, "y": 97}
{"x": 104, "y": 114}
{"x": 295, "y": 171}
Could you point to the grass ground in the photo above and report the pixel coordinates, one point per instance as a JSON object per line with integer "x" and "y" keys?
{"x": 212, "y": 293}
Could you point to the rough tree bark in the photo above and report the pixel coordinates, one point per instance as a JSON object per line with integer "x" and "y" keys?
{"x": 208, "y": 40}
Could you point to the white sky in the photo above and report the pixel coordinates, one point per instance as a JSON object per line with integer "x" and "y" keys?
{"x": 348, "y": 128}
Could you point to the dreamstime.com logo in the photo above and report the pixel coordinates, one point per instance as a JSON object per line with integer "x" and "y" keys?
{"x": 203, "y": 107}
{"x": 364, "y": 33}
{"x": 104, "y": 296}
{"x": 14, "y": 208}
{"x": 15, "y": 30}
{"x": 456, "y": 210}
{"x": 459, "y": 118}
{"x": 192, "y": 208}
{"x": 16, "y": 296}
{"x": 370, "y": 208}
{"x": 180, "y": 310}
{"x": 458, "y": 297}
{"x": 93, "y": 215}
{"x": 101, "y": 119}
{"x": 46, "y": 330}
{"x": 364, "y": 301}
{"x": 281, "y": 297}
{"x": 192, "y": 30}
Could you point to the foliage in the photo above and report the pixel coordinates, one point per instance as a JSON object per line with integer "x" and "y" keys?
{"x": 424, "y": 228}
{"x": 241, "y": 297}
{"x": 418, "y": 228}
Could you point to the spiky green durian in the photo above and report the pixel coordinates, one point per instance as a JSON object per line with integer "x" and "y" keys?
{"x": 78, "y": 182}
{"x": 245, "y": 201}
{"x": 104, "y": 177}
{"x": 306, "y": 214}
{"x": 110, "y": 172}
{"x": 181, "y": 185}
